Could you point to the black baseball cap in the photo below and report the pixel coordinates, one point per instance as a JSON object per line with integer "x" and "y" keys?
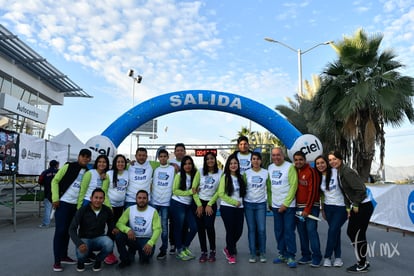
{"x": 53, "y": 163}
{"x": 85, "y": 152}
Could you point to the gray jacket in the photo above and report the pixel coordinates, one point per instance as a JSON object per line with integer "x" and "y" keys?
{"x": 352, "y": 186}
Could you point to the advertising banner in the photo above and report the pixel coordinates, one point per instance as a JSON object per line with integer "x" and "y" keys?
{"x": 8, "y": 152}
{"x": 395, "y": 205}
{"x": 32, "y": 155}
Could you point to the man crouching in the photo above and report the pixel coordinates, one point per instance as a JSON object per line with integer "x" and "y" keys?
{"x": 87, "y": 231}
{"x": 140, "y": 227}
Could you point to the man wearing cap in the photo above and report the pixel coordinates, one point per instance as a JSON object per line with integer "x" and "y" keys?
{"x": 45, "y": 179}
{"x": 65, "y": 193}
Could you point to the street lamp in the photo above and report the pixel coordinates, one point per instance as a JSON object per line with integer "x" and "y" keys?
{"x": 299, "y": 53}
{"x": 135, "y": 79}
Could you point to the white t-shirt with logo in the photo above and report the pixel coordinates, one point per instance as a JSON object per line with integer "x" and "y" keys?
{"x": 140, "y": 178}
{"x": 256, "y": 191}
{"x": 72, "y": 193}
{"x": 245, "y": 161}
{"x": 162, "y": 185}
{"x": 141, "y": 221}
{"x": 117, "y": 194}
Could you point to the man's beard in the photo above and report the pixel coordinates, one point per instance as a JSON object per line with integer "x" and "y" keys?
{"x": 142, "y": 205}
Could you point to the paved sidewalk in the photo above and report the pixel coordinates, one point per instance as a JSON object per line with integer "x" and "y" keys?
{"x": 28, "y": 251}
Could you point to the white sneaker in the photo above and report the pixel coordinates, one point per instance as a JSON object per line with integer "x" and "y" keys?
{"x": 327, "y": 262}
{"x": 338, "y": 262}
{"x": 252, "y": 259}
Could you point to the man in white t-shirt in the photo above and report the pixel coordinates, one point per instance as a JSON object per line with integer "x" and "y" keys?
{"x": 139, "y": 228}
{"x": 179, "y": 153}
{"x": 162, "y": 186}
{"x": 140, "y": 176}
{"x": 244, "y": 154}
{"x": 283, "y": 186}
{"x": 65, "y": 193}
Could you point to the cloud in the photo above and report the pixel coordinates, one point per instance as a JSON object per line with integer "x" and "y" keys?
{"x": 155, "y": 37}
{"x": 170, "y": 43}
{"x": 179, "y": 45}
{"x": 398, "y": 22}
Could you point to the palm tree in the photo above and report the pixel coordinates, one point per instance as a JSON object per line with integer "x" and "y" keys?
{"x": 360, "y": 93}
{"x": 265, "y": 141}
{"x": 299, "y": 113}
{"x": 245, "y": 131}
{"x": 265, "y": 138}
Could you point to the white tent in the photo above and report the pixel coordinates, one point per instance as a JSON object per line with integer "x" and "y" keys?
{"x": 67, "y": 137}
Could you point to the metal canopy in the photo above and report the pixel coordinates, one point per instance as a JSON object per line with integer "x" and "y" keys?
{"x": 28, "y": 60}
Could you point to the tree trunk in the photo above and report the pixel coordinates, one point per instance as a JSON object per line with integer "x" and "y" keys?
{"x": 365, "y": 169}
{"x": 364, "y": 155}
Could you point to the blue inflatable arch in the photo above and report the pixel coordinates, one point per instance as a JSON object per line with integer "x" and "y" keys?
{"x": 201, "y": 99}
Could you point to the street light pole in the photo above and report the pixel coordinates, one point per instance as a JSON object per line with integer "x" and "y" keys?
{"x": 299, "y": 54}
{"x": 135, "y": 79}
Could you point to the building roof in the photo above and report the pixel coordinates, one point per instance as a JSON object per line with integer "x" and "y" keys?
{"x": 27, "y": 59}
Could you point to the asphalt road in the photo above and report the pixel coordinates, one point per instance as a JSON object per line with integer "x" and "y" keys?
{"x": 28, "y": 251}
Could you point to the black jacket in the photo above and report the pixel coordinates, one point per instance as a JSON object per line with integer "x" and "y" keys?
{"x": 86, "y": 224}
{"x": 45, "y": 179}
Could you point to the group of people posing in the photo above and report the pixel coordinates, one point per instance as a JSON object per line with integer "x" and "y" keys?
{"x": 134, "y": 203}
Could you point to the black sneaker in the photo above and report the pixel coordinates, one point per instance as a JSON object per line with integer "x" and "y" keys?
{"x": 88, "y": 261}
{"x": 123, "y": 264}
{"x": 212, "y": 256}
{"x": 172, "y": 250}
{"x": 161, "y": 255}
{"x": 80, "y": 267}
{"x": 97, "y": 266}
{"x": 356, "y": 268}
{"x": 92, "y": 256}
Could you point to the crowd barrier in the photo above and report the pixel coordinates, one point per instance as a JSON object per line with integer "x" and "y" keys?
{"x": 395, "y": 205}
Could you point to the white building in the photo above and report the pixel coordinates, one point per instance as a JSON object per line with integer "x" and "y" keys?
{"x": 29, "y": 86}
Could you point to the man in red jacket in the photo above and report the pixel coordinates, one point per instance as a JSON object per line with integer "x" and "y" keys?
{"x": 307, "y": 202}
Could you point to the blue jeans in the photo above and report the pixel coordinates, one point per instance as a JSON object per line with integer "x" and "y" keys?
{"x": 48, "y": 209}
{"x": 233, "y": 223}
{"x": 256, "y": 222}
{"x": 182, "y": 214}
{"x": 127, "y": 255}
{"x": 163, "y": 212}
{"x": 63, "y": 217}
{"x": 336, "y": 217}
{"x": 308, "y": 234}
{"x": 284, "y": 228}
{"x": 103, "y": 244}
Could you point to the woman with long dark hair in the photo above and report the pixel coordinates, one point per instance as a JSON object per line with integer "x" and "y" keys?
{"x": 118, "y": 183}
{"x": 206, "y": 183}
{"x": 95, "y": 178}
{"x": 359, "y": 208}
{"x": 181, "y": 209}
{"x": 255, "y": 206}
{"x": 333, "y": 210}
{"x": 232, "y": 190}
